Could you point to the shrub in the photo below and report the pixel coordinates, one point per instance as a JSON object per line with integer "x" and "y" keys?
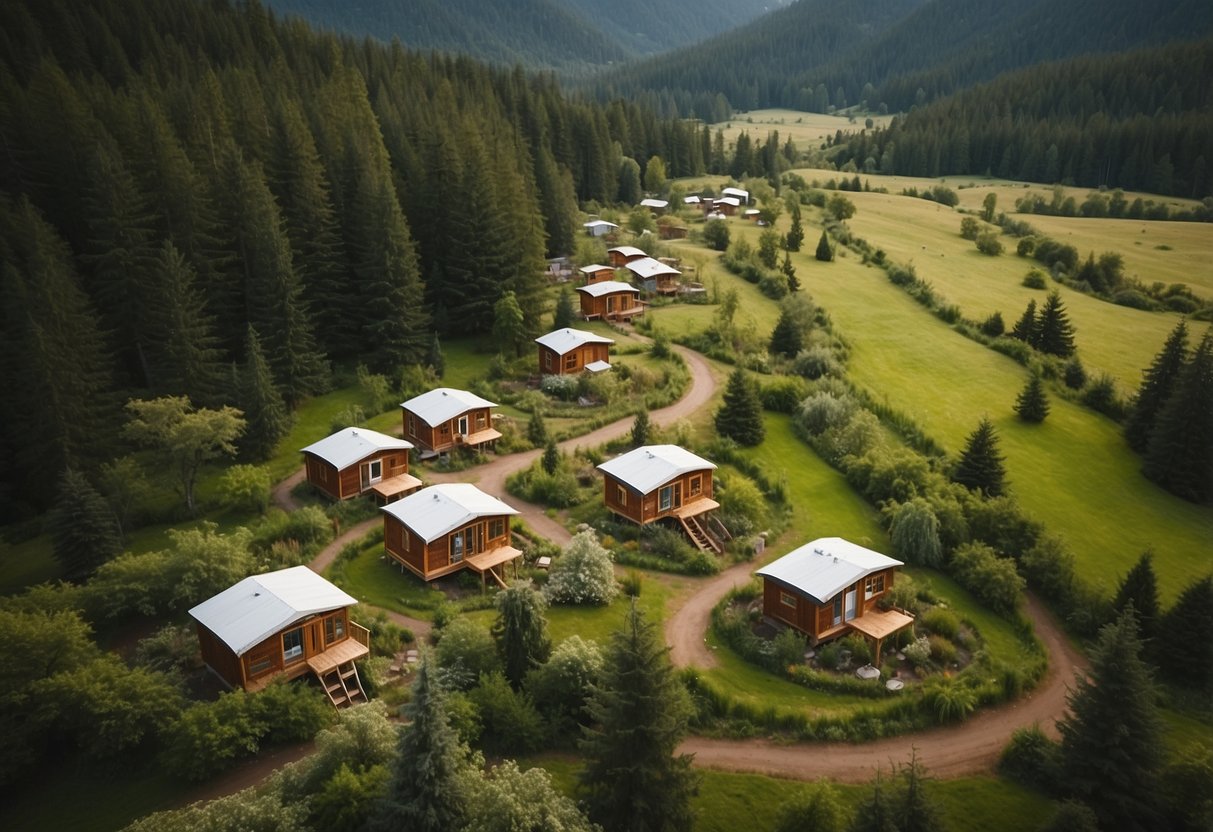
{"x": 903, "y": 595}
{"x": 941, "y": 621}
{"x": 989, "y": 244}
{"x": 716, "y": 234}
{"x": 823, "y": 411}
{"x": 993, "y": 326}
{"x": 1074, "y": 375}
{"x": 784, "y": 394}
{"x": 560, "y": 387}
{"x": 943, "y": 651}
{"x": 1101, "y": 396}
{"x": 583, "y": 574}
{"x": 1032, "y": 759}
{"x": 992, "y": 579}
{"x": 1035, "y": 279}
{"x": 858, "y": 647}
{"x": 914, "y": 532}
{"x": 561, "y": 686}
{"x": 788, "y": 648}
{"x": 949, "y": 699}
{"x": 465, "y": 652}
{"x": 743, "y": 506}
{"x": 246, "y": 488}
{"x": 970, "y": 228}
{"x": 816, "y": 362}
{"x": 830, "y": 656}
{"x": 918, "y": 652}
{"x": 510, "y": 724}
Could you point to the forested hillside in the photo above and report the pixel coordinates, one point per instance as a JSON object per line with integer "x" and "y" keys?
{"x": 815, "y": 55}
{"x": 181, "y": 181}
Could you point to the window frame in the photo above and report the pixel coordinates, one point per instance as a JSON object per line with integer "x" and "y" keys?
{"x": 293, "y": 654}
{"x": 787, "y": 599}
{"x": 665, "y": 497}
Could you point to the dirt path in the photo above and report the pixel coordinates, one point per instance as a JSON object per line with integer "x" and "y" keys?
{"x": 965, "y": 749}
{"x": 282, "y": 496}
{"x": 685, "y": 629}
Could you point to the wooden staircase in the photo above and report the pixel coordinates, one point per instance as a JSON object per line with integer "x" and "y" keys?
{"x": 699, "y": 535}
{"x": 342, "y": 684}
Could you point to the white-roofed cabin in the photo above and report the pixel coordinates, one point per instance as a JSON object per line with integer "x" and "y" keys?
{"x": 654, "y": 275}
{"x": 599, "y": 228}
{"x": 597, "y": 273}
{"x": 354, "y": 461}
{"x": 831, "y": 587}
{"x": 445, "y": 418}
{"x": 283, "y": 624}
{"x": 610, "y": 301}
{"x": 567, "y": 351}
{"x": 620, "y": 256}
{"x": 448, "y": 527}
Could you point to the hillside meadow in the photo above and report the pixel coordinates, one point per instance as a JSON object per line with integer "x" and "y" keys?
{"x": 804, "y": 129}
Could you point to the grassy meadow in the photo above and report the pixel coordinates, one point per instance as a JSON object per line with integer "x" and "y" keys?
{"x": 805, "y": 129}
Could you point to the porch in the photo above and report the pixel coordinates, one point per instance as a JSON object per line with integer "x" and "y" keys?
{"x": 393, "y": 488}
{"x": 877, "y": 625}
{"x": 491, "y": 563}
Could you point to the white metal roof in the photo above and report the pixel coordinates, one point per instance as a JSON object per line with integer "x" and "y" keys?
{"x": 692, "y": 200}
{"x": 649, "y": 466}
{"x": 607, "y": 287}
{"x": 826, "y": 566}
{"x": 646, "y": 268}
{"x": 595, "y": 267}
{"x": 443, "y": 404}
{"x": 432, "y": 512}
{"x": 654, "y": 203}
{"x": 628, "y": 251}
{"x": 598, "y": 224}
{"x": 597, "y": 367}
{"x": 741, "y": 193}
{"x": 247, "y": 613}
{"x": 729, "y": 200}
{"x": 347, "y": 446}
{"x": 563, "y": 340}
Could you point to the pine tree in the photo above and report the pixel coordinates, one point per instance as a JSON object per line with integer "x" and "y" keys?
{"x": 1056, "y": 332}
{"x": 916, "y": 812}
{"x": 509, "y": 327}
{"x": 1032, "y": 405}
{"x": 795, "y": 236}
{"x": 1191, "y": 615}
{"x": 1180, "y": 453}
{"x": 564, "y": 314}
{"x": 536, "y": 429}
{"x": 433, "y": 357}
{"x": 641, "y": 428}
{"x": 1027, "y": 328}
{"x": 187, "y": 361}
{"x": 520, "y": 631}
{"x": 876, "y": 813}
{"x": 1158, "y": 380}
{"x": 789, "y": 272}
{"x": 1111, "y": 743}
{"x": 264, "y": 410}
{"x": 787, "y": 339}
{"x": 980, "y": 467}
{"x": 632, "y": 780}
{"x": 1139, "y": 587}
{"x": 825, "y": 253}
{"x": 84, "y": 532}
{"x": 740, "y": 418}
{"x": 550, "y": 461}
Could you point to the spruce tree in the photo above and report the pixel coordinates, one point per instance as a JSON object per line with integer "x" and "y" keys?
{"x": 916, "y": 812}
{"x": 787, "y": 339}
{"x": 1111, "y": 743}
{"x": 1191, "y": 615}
{"x": 265, "y": 412}
{"x": 1158, "y": 380}
{"x": 84, "y": 532}
{"x": 187, "y": 359}
{"x": 1032, "y": 405}
{"x": 632, "y": 779}
{"x": 789, "y": 272}
{"x": 1056, "y": 332}
{"x": 825, "y": 253}
{"x": 876, "y": 813}
{"x": 434, "y": 358}
{"x": 980, "y": 467}
{"x": 1139, "y": 587}
{"x": 536, "y": 429}
{"x": 641, "y": 428}
{"x": 795, "y": 236}
{"x": 520, "y": 631}
{"x": 550, "y": 461}
{"x": 1180, "y": 453}
{"x": 740, "y": 418}
{"x": 564, "y": 314}
{"x": 509, "y": 326}
{"x": 1027, "y": 328}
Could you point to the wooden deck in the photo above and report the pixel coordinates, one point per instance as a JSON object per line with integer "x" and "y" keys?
{"x": 485, "y": 563}
{"x": 395, "y": 486}
{"x": 346, "y": 651}
{"x": 880, "y": 624}
{"x": 695, "y": 508}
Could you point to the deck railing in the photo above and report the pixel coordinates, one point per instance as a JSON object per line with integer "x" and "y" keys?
{"x": 360, "y": 634}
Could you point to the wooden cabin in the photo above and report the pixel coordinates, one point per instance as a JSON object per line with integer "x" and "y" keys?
{"x": 599, "y": 228}
{"x": 656, "y": 206}
{"x": 620, "y": 256}
{"x": 740, "y": 194}
{"x": 567, "y": 351}
{"x": 610, "y": 301}
{"x": 655, "y": 276}
{"x": 448, "y": 527}
{"x": 446, "y": 418}
{"x": 670, "y": 231}
{"x": 831, "y": 587}
{"x": 596, "y": 273}
{"x": 283, "y": 624}
{"x": 656, "y": 483}
{"x": 354, "y": 461}
{"x": 727, "y": 205}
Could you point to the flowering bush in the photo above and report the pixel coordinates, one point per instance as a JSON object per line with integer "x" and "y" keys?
{"x": 583, "y": 574}
{"x": 919, "y": 651}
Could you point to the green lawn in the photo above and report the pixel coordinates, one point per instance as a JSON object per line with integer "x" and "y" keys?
{"x": 80, "y": 797}
{"x": 373, "y": 578}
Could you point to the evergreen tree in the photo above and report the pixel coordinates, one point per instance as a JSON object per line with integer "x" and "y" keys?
{"x": 1056, "y": 332}
{"x": 1027, "y": 328}
{"x": 641, "y": 428}
{"x": 787, "y": 339}
{"x": 817, "y": 808}
{"x": 629, "y": 192}
{"x": 433, "y": 357}
{"x": 509, "y": 327}
{"x": 980, "y": 467}
{"x": 1139, "y": 587}
{"x": 740, "y": 418}
{"x": 1111, "y": 743}
{"x": 632, "y": 780}
{"x": 795, "y": 236}
{"x": 264, "y": 410}
{"x": 550, "y": 461}
{"x": 1192, "y": 615}
{"x": 1158, "y": 380}
{"x": 1180, "y": 453}
{"x": 84, "y": 532}
{"x": 564, "y": 314}
{"x": 536, "y": 429}
{"x": 1032, "y": 405}
{"x": 876, "y": 813}
{"x": 789, "y": 272}
{"x": 916, "y": 812}
{"x": 520, "y": 631}
{"x": 426, "y": 791}
{"x": 825, "y": 253}
{"x": 187, "y": 361}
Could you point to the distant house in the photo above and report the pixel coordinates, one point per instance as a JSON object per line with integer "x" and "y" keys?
{"x": 566, "y": 351}
{"x": 664, "y": 482}
{"x": 610, "y": 301}
{"x": 354, "y": 461}
{"x": 727, "y": 205}
{"x": 742, "y": 195}
{"x": 622, "y": 255}
{"x": 657, "y": 206}
{"x": 283, "y": 624}
{"x": 596, "y": 273}
{"x": 750, "y": 214}
{"x": 693, "y": 199}
{"x": 448, "y": 527}
{"x": 654, "y": 275}
{"x": 670, "y": 231}
{"x": 599, "y": 228}
{"x": 445, "y": 418}
{"x": 831, "y": 587}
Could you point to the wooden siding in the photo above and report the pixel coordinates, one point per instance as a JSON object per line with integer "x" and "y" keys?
{"x": 347, "y": 483}
{"x": 815, "y": 619}
{"x": 573, "y": 361}
{"x": 444, "y": 436}
{"x": 609, "y": 306}
{"x": 266, "y": 660}
{"x": 645, "y": 508}
{"x": 600, "y": 276}
{"x": 433, "y": 560}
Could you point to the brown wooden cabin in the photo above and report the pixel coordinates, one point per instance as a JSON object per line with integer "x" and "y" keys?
{"x": 654, "y": 275}
{"x": 726, "y": 205}
{"x": 567, "y": 351}
{"x": 672, "y": 232}
{"x": 446, "y": 418}
{"x": 664, "y": 482}
{"x": 448, "y": 527}
{"x": 610, "y": 301}
{"x": 283, "y": 624}
{"x": 596, "y": 273}
{"x": 620, "y": 256}
{"x": 354, "y": 461}
{"x": 831, "y": 587}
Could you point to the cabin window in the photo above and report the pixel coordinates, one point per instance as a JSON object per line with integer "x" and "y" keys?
{"x": 570, "y": 361}
{"x": 621, "y": 495}
{"x": 404, "y": 539}
{"x": 874, "y": 585}
{"x": 496, "y": 528}
{"x": 260, "y": 665}
{"x": 696, "y": 486}
{"x": 412, "y": 426}
{"x": 324, "y": 471}
{"x": 787, "y": 599}
{"x": 463, "y": 425}
{"x": 292, "y": 645}
{"x": 665, "y": 498}
{"x": 374, "y": 470}
{"x": 547, "y": 361}
{"x": 481, "y": 424}
{"x": 838, "y": 610}
{"x": 334, "y": 629}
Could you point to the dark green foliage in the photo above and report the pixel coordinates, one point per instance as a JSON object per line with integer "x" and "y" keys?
{"x": 914, "y": 532}
{"x": 563, "y": 316}
{"x": 740, "y": 417}
{"x": 264, "y": 410}
{"x": 1139, "y": 588}
{"x": 1158, "y": 381}
{"x": 1032, "y": 405}
{"x": 980, "y": 466}
{"x": 551, "y": 457}
{"x": 641, "y": 428}
{"x": 1031, "y": 758}
{"x": 817, "y": 808}
{"x": 768, "y": 248}
{"x": 794, "y": 239}
{"x": 433, "y": 357}
{"x": 520, "y": 631}
{"x": 969, "y": 228}
{"x": 1074, "y": 375}
{"x": 187, "y": 359}
{"x": 632, "y": 779}
{"x": 510, "y": 725}
{"x": 536, "y": 429}
{"x": 716, "y": 234}
{"x": 994, "y": 580}
{"x": 1027, "y": 328}
{"x": 509, "y": 324}
{"x": 787, "y": 339}
{"x": 989, "y": 244}
{"x": 1056, "y": 332}
{"x": 789, "y": 271}
{"x": 825, "y": 252}
{"x": 876, "y": 813}
{"x": 82, "y": 526}
{"x": 1111, "y": 744}
{"x": 993, "y": 326}
{"x": 1072, "y": 816}
{"x": 988, "y": 205}
{"x": 1180, "y": 452}
{"x": 1187, "y": 625}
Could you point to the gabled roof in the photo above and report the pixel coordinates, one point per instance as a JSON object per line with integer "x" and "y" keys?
{"x": 443, "y": 404}
{"x": 598, "y": 224}
{"x": 607, "y": 287}
{"x": 345, "y": 447}
{"x": 628, "y": 251}
{"x": 826, "y": 566}
{"x": 247, "y": 613}
{"x": 562, "y": 340}
{"x": 655, "y": 203}
{"x": 650, "y": 466}
{"x": 646, "y": 268}
{"x": 432, "y": 512}
{"x": 740, "y": 193}
{"x": 595, "y": 267}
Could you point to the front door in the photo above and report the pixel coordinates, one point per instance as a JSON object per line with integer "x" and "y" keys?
{"x": 463, "y": 425}
{"x": 372, "y": 472}
{"x": 850, "y": 605}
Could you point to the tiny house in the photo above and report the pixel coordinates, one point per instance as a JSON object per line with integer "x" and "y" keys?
{"x": 596, "y": 273}
{"x": 657, "y": 206}
{"x": 566, "y": 351}
{"x": 831, "y": 587}
{"x": 610, "y": 301}
{"x": 448, "y": 527}
{"x": 354, "y": 461}
{"x": 620, "y": 256}
{"x": 446, "y": 418}
{"x": 654, "y": 275}
{"x": 599, "y": 228}
{"x": 283, "y": 624}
